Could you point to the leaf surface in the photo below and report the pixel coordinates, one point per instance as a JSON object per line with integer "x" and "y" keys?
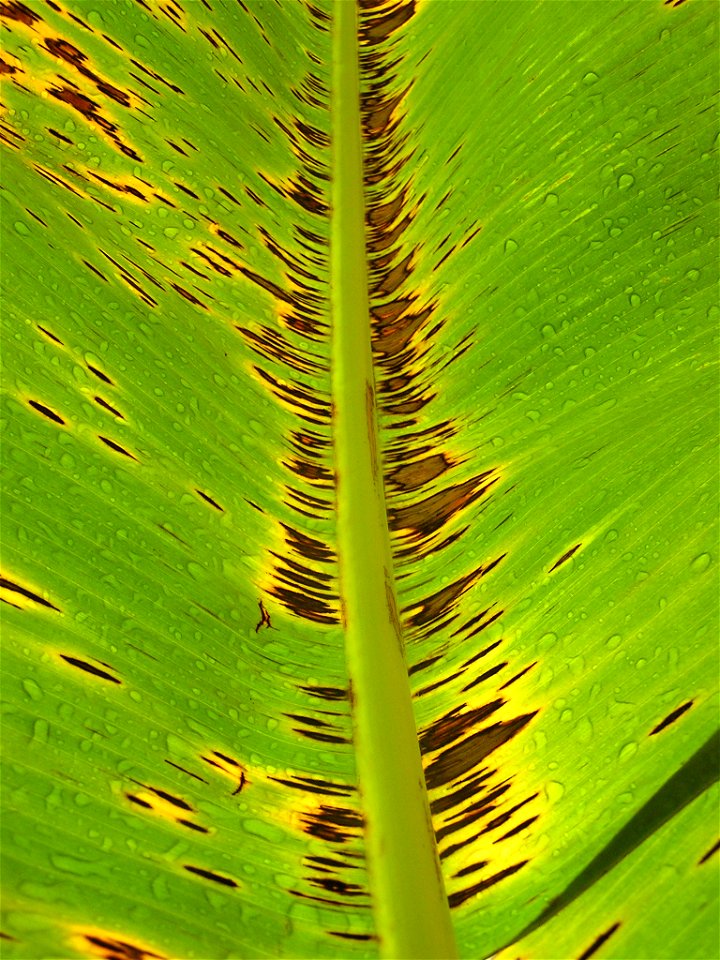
{"x": 186, "y": 769}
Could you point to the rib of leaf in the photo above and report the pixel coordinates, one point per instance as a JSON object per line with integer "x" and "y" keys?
{"x": 408, "y": 894}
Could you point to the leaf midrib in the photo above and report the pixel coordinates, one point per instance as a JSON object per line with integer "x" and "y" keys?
{"x": 411, "y": 908}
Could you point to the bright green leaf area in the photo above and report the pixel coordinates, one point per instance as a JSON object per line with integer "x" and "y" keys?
{"x": 174, "y": 673}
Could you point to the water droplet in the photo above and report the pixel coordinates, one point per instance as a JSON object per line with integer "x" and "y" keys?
{"x": 554, "y": 790}
{"x": 32, "y": 689}
{"x": 566, "y": 716}
{"x": 590, "y": 78}
{"x": 40, "y": 731}
{"x": 584, "y": 730}
{"x": 701, "y": 563}
{"x": 551, "y": 199}
{"x": 547, "y": 331}
{"x": 510, "y": 245}
{"x": 625, "y": 181}
{"x": 629, "y": 750}
{"x": 613, "y": 642}
{"x": 21, "y": 228}
{"x": 692, "y": 274}
{"x": 160, "y": 888}
{"x": 635, "y": 299}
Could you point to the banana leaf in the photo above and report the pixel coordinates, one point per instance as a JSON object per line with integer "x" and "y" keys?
{"x": 359, "y": 500}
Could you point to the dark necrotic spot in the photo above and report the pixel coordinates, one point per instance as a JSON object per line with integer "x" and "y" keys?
{"x": 454, "y": 724}
{"x": 310, "y": 721}
{"x": 51, "y": 335}
{"x": 117, "y": 448}
{"x": 14, "y": 10}
{"x": 209, "y": 875}
{"x": 439, "y": 683}
{"x": 462, "y": 757}
{"x": 706, "y": 856}
{"x": 564, "y": 557}
{"x": 454, "y": 799}
{"x": 121, "y": 949}
{"x": 598, "y": 942}
{"x": 176, "y": 801}
{"x": 518, "y": 675}
{"x": 193, "y": 826}
{"x": 472, "y": 868}
{"x": 24, "y": 592}
{"x": 209, "y": 500}
{"x": 333, "y": 885}
{"x": 183, "y": 770}
{"x": 486, "y": 675}
{"x": 99, "y": 374}
{"x": 351, "y": 936}
{"x": 90, "y": 668}
{"x": 46, "y": 412}
{"x": 326, "y": 693}
{"x": 335, "y": 824}
{"x": 460, "y": 896}
{"x": 137, "y": 800}
{"x": 227, "y": 759}
{"x": 515, "y": 830}
{"x": 319, "y": 736}
{"x": 423, "y": 665}
{"x": 108, "y": 407}
{"x": 671, "y": 717}
{"x": 312, "y": 785}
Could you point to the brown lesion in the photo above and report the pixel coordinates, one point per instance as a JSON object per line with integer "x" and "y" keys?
{"x": 47, "y": 412}
{"x": 334, "y": 824}
{"x": 463, "y": 756}
{"x": 425, "y": 517}
{"x": 118, "y": 448}
{"x": 565, "y": 557}
{"x": 219, "y": 878}
{"x": 90, "y": 668}
{"x": 14, "y": 588}
{"x": 14, "y": 10}
{"x": 671, "y": 717}
{"x": 599, "y": 941}
{"x": 460, "y": 896}
{"x": 106, "y": 945}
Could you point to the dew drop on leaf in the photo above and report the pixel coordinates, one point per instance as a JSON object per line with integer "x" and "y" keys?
{"x": 700, "y": 563}
{"x": 32, "y": 689}
{"x": 554, "y": 790}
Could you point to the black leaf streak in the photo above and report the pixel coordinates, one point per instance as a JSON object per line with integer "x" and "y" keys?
{"x": 671, "y": 717}
{"x": 209, "y": 875}
{"x": 564, "y": 557}
{"x": 90, "y": 668}
{"x": 598, "y": 942}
